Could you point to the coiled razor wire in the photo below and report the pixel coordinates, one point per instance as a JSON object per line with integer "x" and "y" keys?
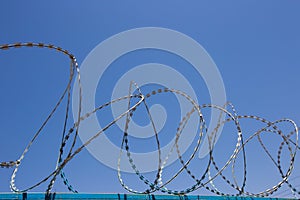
{"x": 206, "y": 180}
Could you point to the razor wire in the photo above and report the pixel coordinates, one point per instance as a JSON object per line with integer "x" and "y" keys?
{"x": 206, "y": 180}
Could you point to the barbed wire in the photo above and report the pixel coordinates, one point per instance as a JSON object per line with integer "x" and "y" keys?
{"x": 136, "y": 98}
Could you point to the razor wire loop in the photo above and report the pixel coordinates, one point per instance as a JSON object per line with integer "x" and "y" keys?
{"x": 211, "y": 141}
{"x": 286, "y": 141}
{"x": 285, "y": 177}
{"x": 73, "y": 67}
{"x": 125, "y": 140}
{"x": 269, "y": 191}
{"x": 275, "y": 188}
{"x": 153, "y": 186}
{"x": 206, "y": 180}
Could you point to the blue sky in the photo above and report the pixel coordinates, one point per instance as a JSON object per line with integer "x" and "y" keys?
{"x": 255, "y": 45}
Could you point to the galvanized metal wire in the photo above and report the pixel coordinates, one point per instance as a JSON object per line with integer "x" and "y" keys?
{"x": 213, "y": 169}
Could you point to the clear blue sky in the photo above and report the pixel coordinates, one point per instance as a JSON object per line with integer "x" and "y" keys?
{"x": 255, "y": 45}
